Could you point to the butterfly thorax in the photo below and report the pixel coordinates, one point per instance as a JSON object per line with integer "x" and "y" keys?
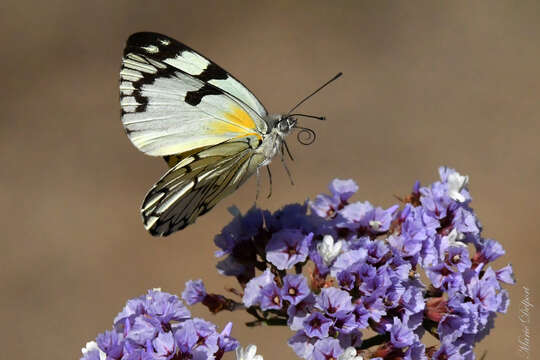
{"x": 279, "y": 127}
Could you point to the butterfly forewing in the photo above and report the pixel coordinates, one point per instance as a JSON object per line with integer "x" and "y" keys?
{"x": 163, "y": 49}
{"x": 172, "y": 104}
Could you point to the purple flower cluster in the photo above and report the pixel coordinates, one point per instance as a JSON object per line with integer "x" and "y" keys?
{"x": 422, "y": 266}
{"x": 157, "y": 326}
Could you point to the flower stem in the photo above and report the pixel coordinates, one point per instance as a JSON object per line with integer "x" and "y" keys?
{"x": 374, "y": 340}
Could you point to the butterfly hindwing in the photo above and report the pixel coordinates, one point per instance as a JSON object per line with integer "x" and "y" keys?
{"x": 196, "y": 184}
{"x": 175, "y": 100}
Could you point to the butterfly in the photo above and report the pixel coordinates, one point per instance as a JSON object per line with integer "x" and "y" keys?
{"x": 210, "y": 129}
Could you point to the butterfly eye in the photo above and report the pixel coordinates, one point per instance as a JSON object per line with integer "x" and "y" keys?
{"x": 291, "y": 122}
{"x": 283, "y": 126}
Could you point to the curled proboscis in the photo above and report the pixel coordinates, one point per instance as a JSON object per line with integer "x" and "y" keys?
{"x": 306, "y": 136}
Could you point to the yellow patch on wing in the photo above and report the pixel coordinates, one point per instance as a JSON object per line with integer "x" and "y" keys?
{"x": 238, "y": 121}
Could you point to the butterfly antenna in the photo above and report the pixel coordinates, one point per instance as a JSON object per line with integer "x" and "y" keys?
{"x": 309, "y": 116}
{"x": 313, "y": 93}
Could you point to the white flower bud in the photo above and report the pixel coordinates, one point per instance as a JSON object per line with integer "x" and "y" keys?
{"x": 328, "y": 249}
{"x": 349, "y": 354}
{"x": 456, "y": 182}
{"x": 250, "y": 353}
{"x": 92, "y": 345}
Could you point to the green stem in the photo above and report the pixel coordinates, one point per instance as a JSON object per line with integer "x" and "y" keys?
{"x": 431, "y": 327}
{"x": 374, "y": 340}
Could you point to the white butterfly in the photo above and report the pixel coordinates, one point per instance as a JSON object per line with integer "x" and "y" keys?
{"x": 212, "y": 131}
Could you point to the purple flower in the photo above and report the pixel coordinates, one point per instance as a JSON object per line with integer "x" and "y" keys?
{"x": 271, "y": 297}
{"x": 327, "y": 349}
{"x": 361, "y": 316}
{"x": 417, "y": 351}
{"x": 401, "y": 335}
{"x": 292, "y": 216}
{"x": 164, "y": 346}
{"x": 111, "y": 343}
{"x": 452, "y": 326}
{"x": 375, "y": 251}
{"x": 253, "y": 290}
{"x": 186, "y": 337}
{"x": 227, "y": 343}
{"x": 483, "y": 291}
{"x": 448, "y": 351}
{"x": 435, "y": 200}
{"x": 465, "y": 222}
{"x": 347, "y": 259}
{"x": 345, "y": 323}
{"x": 416, "y": 228}
{"x": 237, "y": 242}
{"x": 365, "y": 218}
{"x": 239, "y": 231}
{"x": 343, "y": 189}
{"x": 506, "y": 275}
{"x": 384, "y": 269}
{"x": 375, "y": 307}
{"x": 133, "y": 308}
{"x": 207, "y": 335}
{"x": 230, "y": 266}
{"x": 165, "y": 307}
{"x": 350, "y": 340}
{"x": 413, "y": 299}
{"x": 298, "y": 313}
{"x": 327, "y": 206}
{"x": 405, "y": 246}
{"x": 195, "y": 292}
{"x": 288, "y": 247}
{"x": 458, "y": 257}
{"x": 143, "y": 329}
{"x": 295, "y": 288}
{"x": 491, "y": 250}
{"x": 302, "y": 345}
{"x": 333, "y": 301}
{"x": 317, "y": 325}
{"x": 438, "y": 274}
{"x": 346, "y": 280}
{"x": 378, "y": 284}
{"x": 156, "y": 326}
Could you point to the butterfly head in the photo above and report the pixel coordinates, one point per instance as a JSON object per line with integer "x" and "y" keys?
{"x": 288, "y": 122}
{"x": 285, "y": 124}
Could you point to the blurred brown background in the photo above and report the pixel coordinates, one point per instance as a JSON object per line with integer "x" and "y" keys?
{"x": 426, "y": 84}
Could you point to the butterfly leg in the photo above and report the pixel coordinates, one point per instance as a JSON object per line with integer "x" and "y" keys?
{"x": 287, "y": 149}
{"x": 270, "y": 180}
{"x": 286, "y": 168}
{"x": 258, "y": 186}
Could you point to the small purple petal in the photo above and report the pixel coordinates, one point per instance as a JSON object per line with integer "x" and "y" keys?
{"x": 195, "y": 292}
